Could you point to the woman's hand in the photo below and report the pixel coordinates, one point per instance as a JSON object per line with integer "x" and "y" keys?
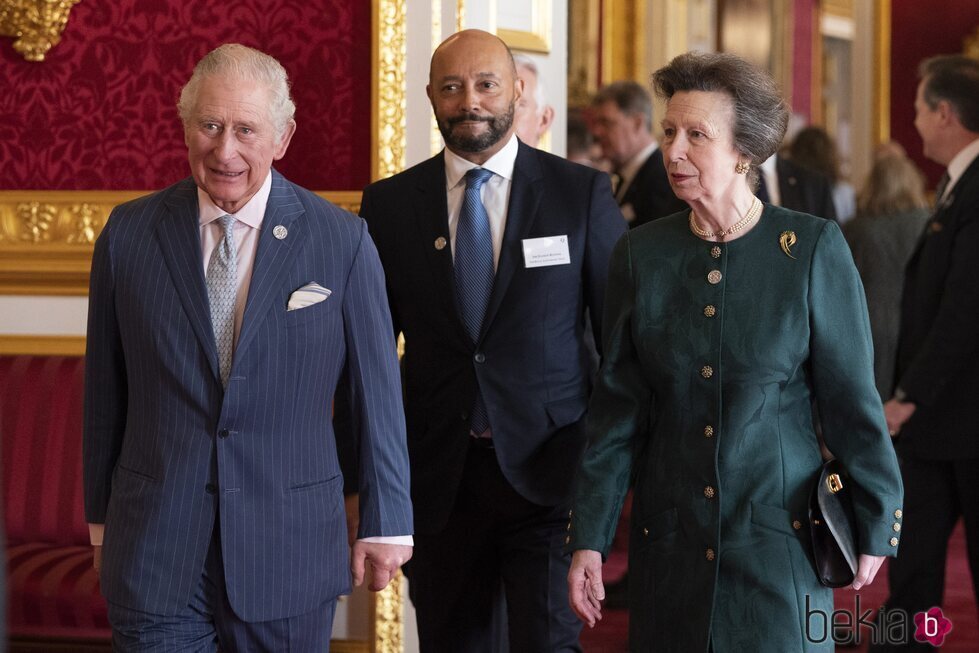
{"x": 867, "y": 568}
{"x": 585, "y": 588}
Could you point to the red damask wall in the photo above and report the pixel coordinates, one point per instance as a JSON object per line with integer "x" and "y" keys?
{"x": 99, "y": 112}
{"x": 920, "y": 30}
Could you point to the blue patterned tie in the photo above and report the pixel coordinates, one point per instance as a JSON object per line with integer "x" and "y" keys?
{"x": 474, "y": 271}
{"x": 222, "y": 290}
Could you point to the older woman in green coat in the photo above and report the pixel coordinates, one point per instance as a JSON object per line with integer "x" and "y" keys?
{"x": 722, "y": 326}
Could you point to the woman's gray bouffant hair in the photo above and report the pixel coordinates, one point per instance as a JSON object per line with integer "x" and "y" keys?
{"x": 760, "y": 114}
{"x": 238, "y": 62}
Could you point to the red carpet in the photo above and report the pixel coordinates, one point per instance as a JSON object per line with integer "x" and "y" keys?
{"x": 611, "y": 633}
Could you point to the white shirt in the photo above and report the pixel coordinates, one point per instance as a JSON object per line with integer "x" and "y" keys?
{"x": 771, "y": 180}
{"x": 495, "y": 193}
{"x": 628, "y": 172}
{"x": 958, "y": 165}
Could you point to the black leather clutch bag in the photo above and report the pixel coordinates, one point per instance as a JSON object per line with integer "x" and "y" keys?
{"x": 833, "y": 527}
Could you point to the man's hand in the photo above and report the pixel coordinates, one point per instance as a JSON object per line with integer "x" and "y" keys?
{"x": 867, "y": 568}
{"x": 897, "y": 413}
{"x": 585, "y": 588}
{"x": 97, "y": 559}
{"x": 383, "y": 559}
{"x": 351, "y": 505}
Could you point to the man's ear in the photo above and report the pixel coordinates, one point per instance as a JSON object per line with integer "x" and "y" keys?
{"x": 283, "y": 145}
{"x": 546, "y": 118}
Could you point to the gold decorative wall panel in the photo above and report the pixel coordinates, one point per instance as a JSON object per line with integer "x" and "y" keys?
{"x": 47, "y": 237}
{"x": 388, "y": 136}
{"x": 36, "y": 24}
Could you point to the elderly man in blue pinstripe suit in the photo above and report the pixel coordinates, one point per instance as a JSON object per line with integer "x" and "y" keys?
{"x": 224, "y": 312}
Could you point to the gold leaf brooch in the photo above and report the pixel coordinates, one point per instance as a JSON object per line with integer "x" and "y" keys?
{"x": 786, "y": 241}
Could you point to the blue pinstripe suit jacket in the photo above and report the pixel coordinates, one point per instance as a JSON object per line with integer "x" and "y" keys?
{"x": 167, "y": 451}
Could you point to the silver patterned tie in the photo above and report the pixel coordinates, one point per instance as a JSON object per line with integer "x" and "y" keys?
{"x": 222, "y": 290}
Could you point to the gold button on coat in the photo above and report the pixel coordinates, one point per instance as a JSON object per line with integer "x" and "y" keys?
{"x": 714, "y": 276}
{"x": 897, "y": 527}
{"x": 645, "y": 531}
{"x": 709, "y": 492}
{"x": 710, "y": 311}
{"x": 707, "y": 371}
{"x": 898, "y": 514}
{"x": 709, "y": 554}
{"x": 708, "y": 431}
{"x": 715, "y": 251}
{"x": 893, "y": 541}
{"x": 440, "y": 243}
{"x": 796, "y": 524}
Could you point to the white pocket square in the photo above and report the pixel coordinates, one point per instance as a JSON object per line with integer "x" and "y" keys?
{"x": 311, "y": 293}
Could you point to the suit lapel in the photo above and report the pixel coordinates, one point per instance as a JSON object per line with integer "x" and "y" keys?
{"x": 274, "y": 256}
{"x": 178, "y": 233}
{"x": 945, "y": 207}
{"x": 525, "y": 196}
{"x": 432, "y": 223}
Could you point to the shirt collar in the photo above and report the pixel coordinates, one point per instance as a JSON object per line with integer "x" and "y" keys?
{"x": 500, "y": 164}
{"x": 252, "y": 213}
{"x": 631, "y": 167}
{"x": 961, "y": 161}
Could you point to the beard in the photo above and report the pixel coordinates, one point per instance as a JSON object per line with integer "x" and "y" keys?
{"x": 497, "y": 127}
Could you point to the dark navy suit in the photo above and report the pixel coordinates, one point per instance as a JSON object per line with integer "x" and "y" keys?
{"x": 169, "y": 455}
{"x": 487, "y": 513}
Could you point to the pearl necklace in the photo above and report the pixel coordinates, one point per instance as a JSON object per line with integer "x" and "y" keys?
{"x": 753, "y": 212}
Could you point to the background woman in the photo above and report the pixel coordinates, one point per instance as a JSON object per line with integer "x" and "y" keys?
{"x": 722, "y": 325}
{"x": 891, "y": 217}
{"x": 814, "y": 148}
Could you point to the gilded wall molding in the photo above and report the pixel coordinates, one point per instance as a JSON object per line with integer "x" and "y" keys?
{"x": 882, "y": 72}
{"x": 47, "y": 237}
{"x": 35, "y": 24}
{"x": 389, "y": 133}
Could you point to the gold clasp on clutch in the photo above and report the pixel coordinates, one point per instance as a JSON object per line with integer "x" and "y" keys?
{"x": 834, "y": 483}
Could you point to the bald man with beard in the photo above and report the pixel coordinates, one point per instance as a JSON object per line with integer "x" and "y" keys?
{"x": 494, "y": 253}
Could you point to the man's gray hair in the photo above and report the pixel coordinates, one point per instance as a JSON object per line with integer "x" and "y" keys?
{"x": 630, "y": 97}
{"x": 238, "y": 62}
{"x": 521, "y": 60}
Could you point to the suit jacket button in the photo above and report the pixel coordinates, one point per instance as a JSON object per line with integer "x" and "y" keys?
{"x": 709, "y": 492}
{"x": 709, "y": 554}
{"x": 706, "y": 371}
{"x": 210, "y": 488}
{"x": 708, "y": 431}
{"x": 224, "y": 433}
{"x": 796, "y": 524}
{"x": 480, "y": 357}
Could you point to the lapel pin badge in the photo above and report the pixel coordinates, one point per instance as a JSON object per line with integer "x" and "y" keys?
{"x": 440, "y": 243}
{"x": 786, "y": 241}
{"x": 935, "y": 227}
{"x": 280, "y": 232}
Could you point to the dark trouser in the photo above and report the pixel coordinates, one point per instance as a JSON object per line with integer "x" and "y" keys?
{"x": 208, "y": 622}
{"x": 936, "y": 494}
{"x": 493, "y": 533}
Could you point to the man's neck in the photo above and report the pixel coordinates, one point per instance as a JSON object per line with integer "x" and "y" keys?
{"x": 481, "y": 157}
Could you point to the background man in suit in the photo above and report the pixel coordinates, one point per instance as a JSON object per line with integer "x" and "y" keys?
{"x": 532, "y": 116}
{"x": 785, "y": 183}
{"x": 210, "y": 463}
{"x": 494, "y": 252}
{"x": 933, "y": 409}
{"x": 623, "y": 126}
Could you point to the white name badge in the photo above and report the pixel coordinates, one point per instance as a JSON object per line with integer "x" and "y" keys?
{"x": 541, "y": 252}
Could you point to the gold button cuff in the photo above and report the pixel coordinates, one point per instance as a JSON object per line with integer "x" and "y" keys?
{"x": 709, "y": 492}
{"x": 897, "y": 527}
{"x": 796, "y": 524}
{"x": 715, "y": 252}
{"x": 893, "y": 541}
{"x": 714, "y": 277}
{"x": 710, "y": 311}
{"x": 710, "y": 555}
{"x": 708, "y": 431}
{"x": 898, "y": 514}
{"x": 706, "y": 371}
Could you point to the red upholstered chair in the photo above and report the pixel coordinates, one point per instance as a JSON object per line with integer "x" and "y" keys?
{"x": 53, "y": 597}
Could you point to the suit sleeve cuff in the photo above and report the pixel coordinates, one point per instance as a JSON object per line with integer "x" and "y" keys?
{"x": 405, "y": 540}
{"x": 95, "y": 532}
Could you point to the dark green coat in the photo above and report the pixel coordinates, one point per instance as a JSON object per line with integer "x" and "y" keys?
{"x": 704, "y": 399}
